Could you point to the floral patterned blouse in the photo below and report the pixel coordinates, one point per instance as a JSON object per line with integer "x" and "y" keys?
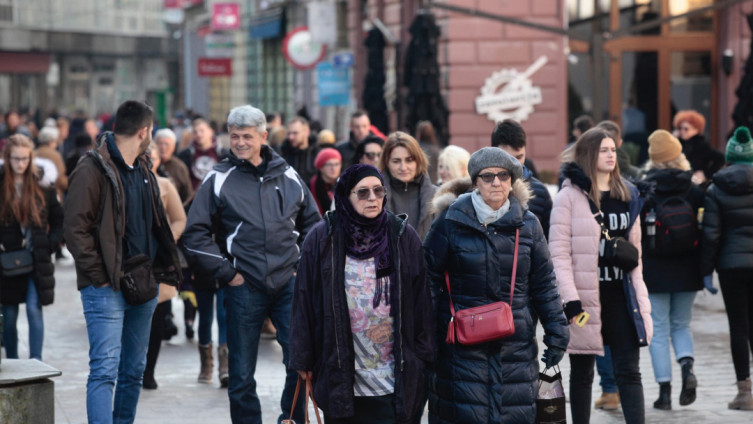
{"x": 372, "y": 331}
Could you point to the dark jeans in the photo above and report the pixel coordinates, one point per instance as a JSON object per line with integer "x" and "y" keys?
{"x": 206, "y": 308}
{"x": 247, "y": 306}
{"x": 618, "y": 331}
{"x": 737, "y": 290}
{"x": 369, "y": 410}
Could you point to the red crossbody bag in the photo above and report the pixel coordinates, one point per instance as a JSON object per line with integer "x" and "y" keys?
{"x": 483, "y": 323}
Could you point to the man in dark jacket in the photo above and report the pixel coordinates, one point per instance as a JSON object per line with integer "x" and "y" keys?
{"x": 360, "y": 128}
{"x": 299, "y": 149}
{"x": 203, "y": 154}
{"x": 113, "y": 213}
{"x": 245, "y": 226}
{"x": 509, "y": 136}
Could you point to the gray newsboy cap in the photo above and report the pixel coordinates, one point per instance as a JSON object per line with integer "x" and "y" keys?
{"x": 489, "y": 157}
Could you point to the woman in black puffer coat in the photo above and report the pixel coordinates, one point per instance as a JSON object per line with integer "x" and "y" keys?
{"x": 727, "y": 246}
{"x": 473, "y": 240}
{"x": 30, "y": 218}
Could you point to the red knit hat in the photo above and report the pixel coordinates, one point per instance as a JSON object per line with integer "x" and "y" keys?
{"x": 325, "y": 155}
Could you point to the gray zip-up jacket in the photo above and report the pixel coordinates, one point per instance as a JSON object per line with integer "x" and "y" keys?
{"x": 253, "y": 224}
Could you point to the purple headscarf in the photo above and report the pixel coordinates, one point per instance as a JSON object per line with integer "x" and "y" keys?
{"x": 365, "y": 237}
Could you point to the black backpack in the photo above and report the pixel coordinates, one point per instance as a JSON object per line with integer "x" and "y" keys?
{"x": 676, "y": 227}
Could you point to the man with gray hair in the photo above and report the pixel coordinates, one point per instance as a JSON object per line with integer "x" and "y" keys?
{"x": 48, "y": 149}
{"x": 245, "y": 227}
{"x": 175, "y": 169}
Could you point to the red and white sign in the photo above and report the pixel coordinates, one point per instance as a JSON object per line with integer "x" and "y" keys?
{"x": 300, "y": 50}
{"x": 215, "y": 67}
{"x": 225, "y": 16}
{"x": 173, "y": 4}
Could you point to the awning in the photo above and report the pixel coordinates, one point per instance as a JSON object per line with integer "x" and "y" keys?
{"x": 24, "y": 63}
{"x": 268, "y": 23}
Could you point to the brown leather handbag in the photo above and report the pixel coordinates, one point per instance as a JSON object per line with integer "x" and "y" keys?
{"x": 309, "y": 394}
{"x": 484, "y": 323}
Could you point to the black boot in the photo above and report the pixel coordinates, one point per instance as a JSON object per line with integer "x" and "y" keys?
{"x": 665, "y": 397}
{"x": 689, "y": 382}
{"x": 149, "y": 382}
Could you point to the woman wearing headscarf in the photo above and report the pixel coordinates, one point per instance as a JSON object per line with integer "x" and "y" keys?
{"x": 360, "y": 328}
{"x": 670, "y": 262}
{"x": 471, "y": 247}
{"x": 727, "y": 247}
{"x": 615, "y": 297}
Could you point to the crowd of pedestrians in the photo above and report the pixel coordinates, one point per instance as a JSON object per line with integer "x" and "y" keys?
{"x": 358, "y": 256}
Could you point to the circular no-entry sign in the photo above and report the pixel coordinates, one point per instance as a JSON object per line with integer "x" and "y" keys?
{"x": 300, "y": 50}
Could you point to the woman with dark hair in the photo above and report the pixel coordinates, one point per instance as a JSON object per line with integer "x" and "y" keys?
{"x": 409, "y": 188}
{"x": 360, "y": 329}
{"x": 427, "y": 140}
{"x": 471, "y": 254}
{"x": 31, "y": 220}
{"x": 614, "y": 296}
{"x": 369, "y": 151}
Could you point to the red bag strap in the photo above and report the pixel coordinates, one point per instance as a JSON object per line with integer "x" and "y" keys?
{"x": 514, "y": 274}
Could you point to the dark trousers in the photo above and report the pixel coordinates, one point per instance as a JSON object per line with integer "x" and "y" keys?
{"x": 737, "y": 290}
{"x": 369, "y": 410}
{"x": 155, "y": 336}
{"x": 618, "y": 331}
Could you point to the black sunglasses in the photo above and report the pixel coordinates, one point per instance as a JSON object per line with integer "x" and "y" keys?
{"x": 488, "y": 177}
{"x": 363, "y": 193}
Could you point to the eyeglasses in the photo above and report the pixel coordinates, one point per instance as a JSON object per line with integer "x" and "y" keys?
{"x": 19, "y": 160}
{"x": 332, "y": 165}
{"x": 373, "y": 155}
{"x": 364, "y": 193}
{"x": 488, "y": 177}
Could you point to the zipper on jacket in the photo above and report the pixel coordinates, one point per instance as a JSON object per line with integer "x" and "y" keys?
{"x": 400, "y": 305}
{"x": 334, "y": 313}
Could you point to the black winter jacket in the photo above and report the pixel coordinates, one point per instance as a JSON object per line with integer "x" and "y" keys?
{"x": 541, "y": 202}
{"x": 416, "y": 195}
{"x": 496, "y": 381}
{"x": 728, "y": 221}
{"x": 321, "y": 339}
{"x": 43, "y": 239}
{"x": 670, "y": 274}
{"x": 248, "y": 223}
{"x": 702, "y": 156}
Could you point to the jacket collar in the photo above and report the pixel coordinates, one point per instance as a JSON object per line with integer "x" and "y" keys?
{"x": 275, "y": 164}
{"x": 463, "y": 212}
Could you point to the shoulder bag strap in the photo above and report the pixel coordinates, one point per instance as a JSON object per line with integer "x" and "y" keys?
{"x": 449, "y": 293}
{"x": 599, "y": 219}
{"x": 310, "y": 394}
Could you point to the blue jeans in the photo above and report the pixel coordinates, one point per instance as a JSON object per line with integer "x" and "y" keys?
{"x": 118, "y": 341}
{"x": 205, "y": 307}
{"x": 606, "y": 372}
{"x": 247, "y": 306}
{"x": 36, "y": 325}
{"x": 671, "y": 313}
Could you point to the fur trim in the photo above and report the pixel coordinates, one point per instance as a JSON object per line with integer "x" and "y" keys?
{"x": 448, "y": 192}
{"x": 576, "y": 175}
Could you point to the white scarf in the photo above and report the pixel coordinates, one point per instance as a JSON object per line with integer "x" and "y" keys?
{"x": 485, "y": 214}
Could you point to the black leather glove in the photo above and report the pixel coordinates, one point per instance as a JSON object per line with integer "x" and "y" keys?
{"x": 572, "y": 309}
{"x": 552, "y": 356}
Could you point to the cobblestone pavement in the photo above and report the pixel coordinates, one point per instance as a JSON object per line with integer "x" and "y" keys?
{"x": 181, "y": 400}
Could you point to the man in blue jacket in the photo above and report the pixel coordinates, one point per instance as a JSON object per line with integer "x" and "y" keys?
{"x": 245, "y": 226}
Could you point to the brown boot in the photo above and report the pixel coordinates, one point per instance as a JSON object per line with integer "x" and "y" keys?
{"x": 608, "y": 401}
{"x": 222, "y": 370}
{"x": 744, "y": 399}
{"x": 207, "y": 364}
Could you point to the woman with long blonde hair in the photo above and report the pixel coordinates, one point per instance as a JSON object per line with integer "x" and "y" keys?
{"x": 31, "y": 223}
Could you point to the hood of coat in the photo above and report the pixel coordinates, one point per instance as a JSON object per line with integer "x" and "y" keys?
{"x": 448, "y": 192}
{"x": 735, "y": 179}
{"x": 669, "y": 181}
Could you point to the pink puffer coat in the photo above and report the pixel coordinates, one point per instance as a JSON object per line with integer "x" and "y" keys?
{"x": 574, "y": 237}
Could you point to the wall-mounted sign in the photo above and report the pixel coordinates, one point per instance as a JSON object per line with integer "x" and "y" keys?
{"x": 225, "y": 16}
{"x": 509, "y": 94}
{"x": 333, "y": 85}
{"x": 219, "y": 45}
{"x": 300, "y": 50}
{"x": 343, "y": 60}
{"x": 215, "y": 67}
{"x": 172, "y": 4}
{"x": 321, "y": 20}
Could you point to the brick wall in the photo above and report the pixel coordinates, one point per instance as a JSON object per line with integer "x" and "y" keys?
{"x": 735, "y": 35}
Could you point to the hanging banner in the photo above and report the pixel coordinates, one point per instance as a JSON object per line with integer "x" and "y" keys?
{"x": 333, "y": 85}
{"x": 215, "y": 67}
{"x": 225, "y": 16}
{"x": 509, "y": 94}
{"x": 300, "y": 50}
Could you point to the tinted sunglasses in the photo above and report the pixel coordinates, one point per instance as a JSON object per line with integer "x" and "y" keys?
{"x": 488, "y": 177}
{"x": 372, "y": 155}
{"x": 363, "y": 193}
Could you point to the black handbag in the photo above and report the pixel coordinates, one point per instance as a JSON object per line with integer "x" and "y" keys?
{"x": 618, "y": 251}
{"x": 138, "y": 284}
{"x": 16, "y": 262}
{"x": 550, "y": 400}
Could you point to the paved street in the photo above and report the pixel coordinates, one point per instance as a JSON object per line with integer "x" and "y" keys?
{"x": 181, "y": 400}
